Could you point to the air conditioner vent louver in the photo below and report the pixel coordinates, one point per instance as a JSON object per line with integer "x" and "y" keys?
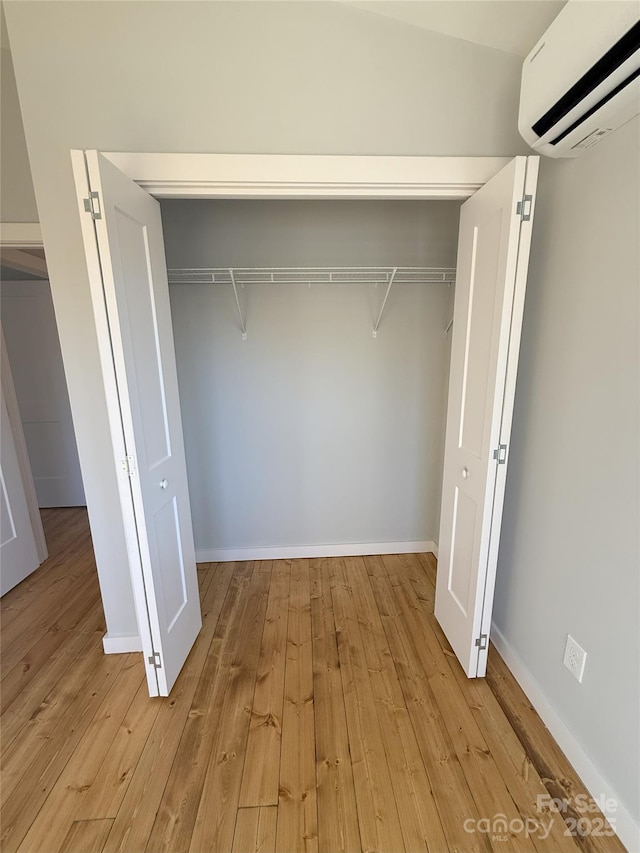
{"x": 597, "y": 74}
{"x": 589, "y": 113}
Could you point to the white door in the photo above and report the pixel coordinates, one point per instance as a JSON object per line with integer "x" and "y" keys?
{"x": 31, "y": 335}
{"x": 18, "y": 551}
{"x": 131, "y": 305}
{"x": 493, "y": 254}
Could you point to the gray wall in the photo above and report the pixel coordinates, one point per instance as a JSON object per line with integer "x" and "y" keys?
{"x": 228, "y": 77}
{"x": 569, "y": 555}
{"x": 311, "y": 431}
{"x": 17, "y": 201}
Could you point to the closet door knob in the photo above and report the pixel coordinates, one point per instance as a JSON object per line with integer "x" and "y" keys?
{"x": 164, "y": 484}
{"x": 465, "y": 473}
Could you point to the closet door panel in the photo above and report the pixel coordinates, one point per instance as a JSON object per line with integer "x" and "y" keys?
{"x": 18, "y": 550}
{"x": 493, "y": 254}
{"x": 133, "y": 291}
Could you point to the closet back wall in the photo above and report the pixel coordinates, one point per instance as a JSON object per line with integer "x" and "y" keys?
{"x": 311, "y": 432}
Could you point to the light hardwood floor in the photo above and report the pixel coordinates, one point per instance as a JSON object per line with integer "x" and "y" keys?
{"x": 321, "y": 709}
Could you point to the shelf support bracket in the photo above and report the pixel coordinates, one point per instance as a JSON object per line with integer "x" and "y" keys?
{"x": 384, "y": 302}
{"x": 243, "y": 326}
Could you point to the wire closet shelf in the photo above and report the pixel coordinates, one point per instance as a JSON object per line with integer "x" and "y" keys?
{"x": 241, "y": 276}
{"x": 311, "y": 275}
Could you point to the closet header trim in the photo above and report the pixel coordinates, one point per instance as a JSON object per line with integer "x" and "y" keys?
{"x": 305, "y": 175}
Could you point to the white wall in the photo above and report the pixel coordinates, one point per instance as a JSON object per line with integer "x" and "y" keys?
{"x": 228, "y": 77}
{"x": 569, "y": 555}
{"x": 17, "y": 201}
{"x": 310, "y": 233}
{"x": 311, "y": 431}
{"x": 33, "y": 346}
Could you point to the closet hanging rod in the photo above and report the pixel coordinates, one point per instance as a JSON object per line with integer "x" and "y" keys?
{"x": 311, "y": 275}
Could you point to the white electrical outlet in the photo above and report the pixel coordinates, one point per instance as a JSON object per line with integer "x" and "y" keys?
{"x": 575, "y": 658}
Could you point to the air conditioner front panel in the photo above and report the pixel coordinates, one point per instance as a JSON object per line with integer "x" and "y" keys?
{"x": 580, "y": 81}
{"x": 579, "y": 36}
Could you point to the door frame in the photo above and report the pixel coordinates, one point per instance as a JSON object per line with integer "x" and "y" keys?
{"x": 22, "y": 235}
{"x": 306, "y": 175}
{"x": 19, "y": 440}
{"x": 230, "y": 176}
{"x": 293, "y": 176}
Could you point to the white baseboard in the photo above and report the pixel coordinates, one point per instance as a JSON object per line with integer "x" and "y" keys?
{"x": 627, "y": 830}
{"x": 297, "y": 552}
{"x": 121, "y": 645}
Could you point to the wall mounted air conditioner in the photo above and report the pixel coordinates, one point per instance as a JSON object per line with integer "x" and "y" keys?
{"x": 582, "y": 79}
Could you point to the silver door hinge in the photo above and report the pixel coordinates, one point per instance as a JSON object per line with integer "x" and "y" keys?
{"x": 524, "y": 207}
{"x": 500, "y": 455}
{"x": 481, "y": 642}
{"x": 92, "y": 205}
{"x": 155, "y": 661}
{"x": 128, "y": 465}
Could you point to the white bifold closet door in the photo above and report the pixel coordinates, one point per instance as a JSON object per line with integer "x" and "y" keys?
{"x": 493, "y": 255}
{"x": 124, "y": 246}
{"x": 18, "y": 549}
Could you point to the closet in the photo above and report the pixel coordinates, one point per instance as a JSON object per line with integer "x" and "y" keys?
{"x": 312, "y": 346}
{"x": 301, "y": 428}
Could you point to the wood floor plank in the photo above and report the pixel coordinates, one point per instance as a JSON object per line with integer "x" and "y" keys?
{"x": 418, "y": 569}
{"x": 22, "y": 673}
{"x": 60, "y": 808}
{"x": 86, "y": 836}
{"x": 69, "y": 544}
{"x": 377, "y": 812}
{"x": 385, "y": 744}
{"x": 42, "y": 773}
{"x": 171, "y": 826}
{"x": 419, "y": 819}
{"x": 560, "y": 779}
{"x": 483, "y": 777}
{"x": 204, "y": 574}
{"x": 135, "y": 819}
{"x": 36, "y": 709}
{"x": 260, "y": 779}
{"x": 338, "y": 828}
{"x": 297, "y": 830}
{"x": 101, "y": 798}
{"x": 30, "y": 719}
{"x": 19, "y": 635}
{"x": 516, "y": 768}
{"x": 255, "y": 830}
{"x": 215, "y": 821}
{"x": 453, "y": 799}
{"x": 429, "y": 565}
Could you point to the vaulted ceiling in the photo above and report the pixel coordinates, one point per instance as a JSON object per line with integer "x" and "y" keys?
{"x": 513, "y": 26}
{"x": 510, "y": 25}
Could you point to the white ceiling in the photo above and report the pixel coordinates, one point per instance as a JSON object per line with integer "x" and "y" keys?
{"x": 510, "y": 25}
{"x": 513, "y": 26}
{"x": 4, "y": 38}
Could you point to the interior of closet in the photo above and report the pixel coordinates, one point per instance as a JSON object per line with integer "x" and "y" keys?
{"x": 312, "y": 345}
